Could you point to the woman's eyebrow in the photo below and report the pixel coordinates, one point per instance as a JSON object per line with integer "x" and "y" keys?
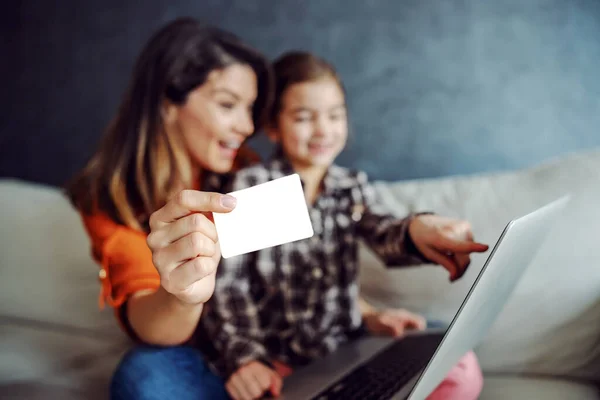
{"x": 227, "y": 91}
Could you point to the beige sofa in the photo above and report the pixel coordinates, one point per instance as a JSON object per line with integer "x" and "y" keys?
{"x": 54, "y": 343}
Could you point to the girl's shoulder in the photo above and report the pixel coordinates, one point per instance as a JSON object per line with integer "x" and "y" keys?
{"x": 347, "y": 178}
{"x": 253, "y": 175}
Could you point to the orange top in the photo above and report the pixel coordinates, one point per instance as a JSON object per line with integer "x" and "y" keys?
{"x": 124, "y": 257}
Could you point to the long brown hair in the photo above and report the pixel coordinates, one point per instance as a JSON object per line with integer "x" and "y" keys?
{"x": 297, "y": 67}
{"x": 137, "y": 166}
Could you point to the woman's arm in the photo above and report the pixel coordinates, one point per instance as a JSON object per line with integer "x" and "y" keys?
{"x": 184, "y": 245}
{"x": 159, "y": 318}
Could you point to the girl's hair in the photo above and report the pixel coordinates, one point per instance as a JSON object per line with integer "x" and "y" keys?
{"x": 138, "y": 166}
{"x": 298, "y": 67}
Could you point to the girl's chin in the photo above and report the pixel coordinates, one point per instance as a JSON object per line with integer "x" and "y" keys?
{"x": 324, "y": 160}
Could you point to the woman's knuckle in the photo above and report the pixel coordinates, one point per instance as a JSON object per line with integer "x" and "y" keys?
{"x": 157, "y": 260}
{"x": 199, "y": 265}
{"x": 151, "y": 240}
{"x": 210, "y": 248}
{"x": 152, "y": 220}
{"x": 197, "y": 242}
{"x": 182, "y": 197}
{"x": 166, "y": 283}
{"x": 196, "y": 221}
{"x": 212, "y": 231}
{"x": 214, "y": 199}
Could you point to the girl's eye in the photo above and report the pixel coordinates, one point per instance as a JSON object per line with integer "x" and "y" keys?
{"x": 302, "y": 118}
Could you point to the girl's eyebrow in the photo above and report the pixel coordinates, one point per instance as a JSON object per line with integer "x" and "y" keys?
{"x": 343, "y": 105}
{"x": 301, "y": 109}
{"x": 306, "y": 109}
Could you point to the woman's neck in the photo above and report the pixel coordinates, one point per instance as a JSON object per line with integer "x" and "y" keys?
{"x": 194, "y": 183}
{"x": 196, "y": 176}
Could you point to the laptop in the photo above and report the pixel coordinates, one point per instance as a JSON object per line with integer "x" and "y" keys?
{"x": 411, "y": 367}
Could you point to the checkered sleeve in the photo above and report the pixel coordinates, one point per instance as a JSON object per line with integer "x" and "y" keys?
{"x": 231, "y": 317}
{"x": 384, "y": 233}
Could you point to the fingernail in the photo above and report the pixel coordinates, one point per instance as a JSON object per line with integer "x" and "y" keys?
{"x": 228, "y": 201}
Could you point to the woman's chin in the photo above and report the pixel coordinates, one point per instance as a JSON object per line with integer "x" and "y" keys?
{"x": 221, "y": 166}
{"x": 217, "y": 165}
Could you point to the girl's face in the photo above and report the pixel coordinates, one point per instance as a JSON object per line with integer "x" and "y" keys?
{"x": 312, "y": 126}
{"x": 217, "y": 117}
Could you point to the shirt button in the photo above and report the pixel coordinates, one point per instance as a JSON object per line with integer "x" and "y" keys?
{"x": 102, "y": 274}
{"x": 317, "y": 273}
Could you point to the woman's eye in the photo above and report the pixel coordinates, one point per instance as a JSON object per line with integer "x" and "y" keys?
{"x": 227, "y": 105}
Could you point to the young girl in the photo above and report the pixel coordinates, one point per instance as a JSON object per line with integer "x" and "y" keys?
{"x": 287, "y": 305}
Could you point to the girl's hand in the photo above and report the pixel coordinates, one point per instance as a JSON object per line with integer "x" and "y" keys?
{"x": 445, "y": 241}
{"x": 393, "y": 322}
{"x": 252, "y": 380}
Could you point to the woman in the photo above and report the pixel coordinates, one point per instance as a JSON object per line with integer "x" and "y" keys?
{"x": 195, "y": 95}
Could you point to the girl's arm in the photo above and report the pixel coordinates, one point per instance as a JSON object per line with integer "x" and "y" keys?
{"x": 387, "y": 235}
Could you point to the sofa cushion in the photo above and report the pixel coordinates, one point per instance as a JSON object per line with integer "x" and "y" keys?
{"x": 51, "y": 358}
{"x": 509, "y": 387}
{"x": 551, "y": 324}
{"x": 47, "y": 271}
{"x": 54, "y": 341}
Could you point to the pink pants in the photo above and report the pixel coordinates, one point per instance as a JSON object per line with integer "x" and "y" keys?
{"x": 463, "y": 382}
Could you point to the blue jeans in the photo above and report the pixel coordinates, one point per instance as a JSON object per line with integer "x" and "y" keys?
{"x": 149, "y": 373}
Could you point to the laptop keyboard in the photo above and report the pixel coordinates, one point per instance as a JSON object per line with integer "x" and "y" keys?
{"x": 384, "y": 374}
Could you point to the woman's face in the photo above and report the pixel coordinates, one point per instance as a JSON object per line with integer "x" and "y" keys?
{"x": 312, "y": 126}
{"x": 217, "y": 117}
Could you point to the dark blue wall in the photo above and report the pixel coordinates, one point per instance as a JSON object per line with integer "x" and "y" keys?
{"x": 436, "y": 87}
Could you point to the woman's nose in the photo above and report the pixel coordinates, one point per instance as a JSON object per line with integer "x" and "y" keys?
{"x": 245, "y": 124}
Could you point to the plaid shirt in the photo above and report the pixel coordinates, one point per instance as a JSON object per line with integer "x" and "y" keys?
{"x": 299, "y": 301}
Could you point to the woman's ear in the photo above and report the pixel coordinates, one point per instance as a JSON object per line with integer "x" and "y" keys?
{"x": 169, "y": 112}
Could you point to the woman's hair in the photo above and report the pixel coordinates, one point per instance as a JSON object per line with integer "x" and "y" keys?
{"x": 298, "y": 67}
{"x": 138, "y": 166}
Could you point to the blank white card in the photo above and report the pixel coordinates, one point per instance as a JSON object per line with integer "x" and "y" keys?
{"x": 266, "y": 215}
